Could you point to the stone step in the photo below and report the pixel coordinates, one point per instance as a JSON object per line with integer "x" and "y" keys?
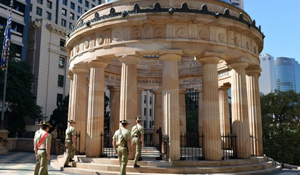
{"x": 177, "y": 170}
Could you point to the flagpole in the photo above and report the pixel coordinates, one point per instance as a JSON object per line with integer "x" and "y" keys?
{"x": 5, "y": 80}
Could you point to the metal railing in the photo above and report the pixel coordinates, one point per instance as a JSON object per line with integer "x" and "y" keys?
{"x": 106, "y": 140}
{"x": 191, "y": 146}
{"x": 228, "y": 144}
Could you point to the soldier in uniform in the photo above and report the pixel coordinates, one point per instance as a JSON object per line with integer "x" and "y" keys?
{"x": 37, "y": 164}
{"x": 42, "y": 148}
{"x": 137, "y": 132}
{"x": 70, "y": 142}
{"x": 121, "y": 144}
{"x": 53, "y": 142}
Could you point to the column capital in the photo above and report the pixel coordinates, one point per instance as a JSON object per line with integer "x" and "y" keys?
{"x": 225, "y": 87}
{"x": 70, "y": 75}
{"x": 210, "y": 57}
{"x": 139, "y": 91}
{"x": 253, "y": 70}
{"x": 80, "y": 69}
{"x": 157, "y": 91}
{"x": 98, "y": 63}
{"x": 130, "y": 59}
{"x": 183, "y": 91}
{"x": 113, "y": 89}
{"x": 167, "y": 55}
{"x": 238, "y": 65}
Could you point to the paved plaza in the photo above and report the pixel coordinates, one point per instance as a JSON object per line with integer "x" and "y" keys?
{"x": 22, "y": 163}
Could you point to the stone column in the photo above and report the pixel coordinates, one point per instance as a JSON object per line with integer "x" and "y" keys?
{"x": 240, "y": 121}
{"x": 157, "y": 116}
{"x": 224, "y": 110}
{"x": 128, "y": 97}
{"x": 170, "y": 101}
{"x": 79, "y": 104}
{"x": 70, "y": 75}
{"x": 253, "y": 95}
{"x": 114, "y": 109}
{"x": 182, "y": 112}
{"x": 95, "y": 123}
{"x": 211, "y": 114}
{"x": 224, "y": 115}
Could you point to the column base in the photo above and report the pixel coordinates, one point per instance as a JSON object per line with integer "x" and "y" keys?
{"x": 3, "y": 142}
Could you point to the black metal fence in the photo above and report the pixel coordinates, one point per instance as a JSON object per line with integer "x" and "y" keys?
{"x": 228, "y": 144}
{"x": 252, "y": 145}
{"x": 191, "y": 146}
{"x": 108, "y": 150}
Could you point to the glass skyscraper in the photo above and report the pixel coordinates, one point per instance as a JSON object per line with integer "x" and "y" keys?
{"x": 287, "y": 74}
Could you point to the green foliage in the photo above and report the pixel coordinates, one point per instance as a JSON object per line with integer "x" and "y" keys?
{"x": 192, "y": 121}
{"x": 59, "y": 117}
{"x": 280, "y": 119}
{"x": 19, "y": 98}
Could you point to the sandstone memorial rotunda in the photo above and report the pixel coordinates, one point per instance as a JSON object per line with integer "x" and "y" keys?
{"x": 169, "y": 47}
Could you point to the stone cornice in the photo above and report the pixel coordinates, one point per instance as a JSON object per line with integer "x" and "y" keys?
{"x": 168, "y": 10}
{"x": 56, "y": 29}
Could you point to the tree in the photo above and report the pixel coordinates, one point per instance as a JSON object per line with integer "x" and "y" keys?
{"x": 59, "y": 117}
{"x": 280, "y": 119}
{"x": 20, "y": 101}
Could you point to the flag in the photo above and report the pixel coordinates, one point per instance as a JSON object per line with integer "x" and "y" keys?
{"x": 6, "y": 43}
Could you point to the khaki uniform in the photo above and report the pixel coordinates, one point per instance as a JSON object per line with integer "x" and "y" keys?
{"x": 136, "y": 132}
{"x": 53, "y": 142}
{"x": 70, "y": 132}
{"x": 121, "y": 143}
{"x": 37, "y": 164}
{"x": 41, "y": 152}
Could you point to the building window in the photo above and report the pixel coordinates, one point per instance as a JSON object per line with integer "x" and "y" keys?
{"x": 49, "y": 4}
{"x": 62, "y": 43}
{"x": 63, "y": 22}
{"x": 61, "y": 62}
{"x": 78, "y": 17}
{"x": 145, "y": 111}
{"x": 79, "y": 9}
{"x": 70, "y": 26}
{"x": 31, "y": 7}
{"x": 39, "y": 11}
{"x": 71, "y": 15}
{"x": 99, "y": 2}
{"x": 65, "y": 2}
{"x": 150, "y": 111}
{"x": 150, "y": 124}
{"x": 145, "y": 99}
{"x": 64, "y": 12}
{"x": 145, "y": 124}
{"x": 72, "y": 5}
{"x": 150, "y": 101}
{"x": 80, "y": 1}
{"x": 93, "y": 5}
{"x": 59, "y": 99}
{"x": 86, "y": 4}
{"x": 40, "y": 1}
{"x": 48, "y": 16}
{"x": 60, "y": 82}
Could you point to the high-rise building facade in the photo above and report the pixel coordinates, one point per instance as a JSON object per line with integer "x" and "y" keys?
{"x": 287, "y": 74}
{"x": 20, "y": 19}
{"x": 239, "y": 3}
{"x": 267, "y": 77}
{"x": 50, "y": 22}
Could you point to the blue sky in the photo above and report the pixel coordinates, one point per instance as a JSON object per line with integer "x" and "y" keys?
{"x": 280, "y": 23}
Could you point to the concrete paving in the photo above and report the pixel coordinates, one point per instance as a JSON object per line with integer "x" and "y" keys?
{"x": 23, "y": 163}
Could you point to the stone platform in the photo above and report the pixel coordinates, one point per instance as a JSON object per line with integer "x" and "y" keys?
{"x": 149, "y": 166}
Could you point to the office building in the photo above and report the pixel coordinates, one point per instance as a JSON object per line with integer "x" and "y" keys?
{"x": 49, "y": 24}
{"x": 287, "y": 74}
{"x": 238, "y": 3}
{"x": 267, "y": 76}
{"x": 20, "y": 19}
